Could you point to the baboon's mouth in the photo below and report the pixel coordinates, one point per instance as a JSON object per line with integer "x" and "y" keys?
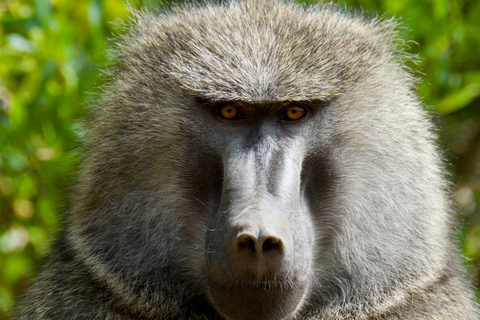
{"x": 269, "y": 300}
{"x": 265, "y": 285}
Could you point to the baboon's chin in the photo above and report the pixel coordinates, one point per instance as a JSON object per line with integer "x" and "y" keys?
{"x": 259, "y": 303}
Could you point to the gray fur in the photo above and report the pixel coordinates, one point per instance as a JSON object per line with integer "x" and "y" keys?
{"x": 353, "y": 199}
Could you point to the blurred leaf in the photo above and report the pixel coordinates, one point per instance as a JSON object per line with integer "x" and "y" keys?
{"x": 459, "y": 99}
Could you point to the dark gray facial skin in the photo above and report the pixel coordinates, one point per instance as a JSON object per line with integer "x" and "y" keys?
{"x": 257, "y": 160}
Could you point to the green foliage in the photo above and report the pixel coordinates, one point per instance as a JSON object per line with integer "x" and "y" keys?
{"x": 50, "y": 55}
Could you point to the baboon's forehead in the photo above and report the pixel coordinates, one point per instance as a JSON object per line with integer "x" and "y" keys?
{"x": 262, "y": 50}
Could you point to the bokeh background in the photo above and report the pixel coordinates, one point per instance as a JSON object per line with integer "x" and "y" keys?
{"x": 51, "y": 54}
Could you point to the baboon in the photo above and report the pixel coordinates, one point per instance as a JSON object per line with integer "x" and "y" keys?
{"x": 257, "y": 160}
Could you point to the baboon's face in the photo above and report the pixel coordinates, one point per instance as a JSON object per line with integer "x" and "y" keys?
{"x": 263, "y": 158}
{"x": 255, "y": 166}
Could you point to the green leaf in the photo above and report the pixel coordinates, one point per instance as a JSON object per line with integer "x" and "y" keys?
{"x": 458, "y": 99}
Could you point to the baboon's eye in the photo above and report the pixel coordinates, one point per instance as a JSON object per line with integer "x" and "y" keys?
{"x": 230, "y": 111}
{"x": 293, "y": 112}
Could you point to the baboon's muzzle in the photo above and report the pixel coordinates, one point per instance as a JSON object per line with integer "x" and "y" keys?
{"x": 259, "y": 248}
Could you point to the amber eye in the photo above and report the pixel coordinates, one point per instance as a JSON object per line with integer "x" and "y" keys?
{"x": 230, "y": 111}
{"x": 293, "y": 113}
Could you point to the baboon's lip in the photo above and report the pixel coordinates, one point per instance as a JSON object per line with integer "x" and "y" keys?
{"x": 274, "y": 284}
{"x": 265, "y": 286}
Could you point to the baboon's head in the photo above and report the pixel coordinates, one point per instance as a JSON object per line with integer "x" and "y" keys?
{"x": 256, "y": 157}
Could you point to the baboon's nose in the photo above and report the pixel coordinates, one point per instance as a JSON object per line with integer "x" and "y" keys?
{"x": 258, "y": 250}
{"x": 249, "y": 243}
